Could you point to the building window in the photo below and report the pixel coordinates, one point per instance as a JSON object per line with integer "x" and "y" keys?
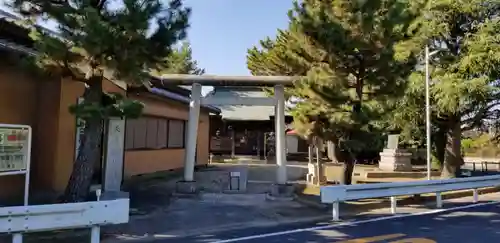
{"x": 154, "y": 133}
{"x": 176, "y": 134}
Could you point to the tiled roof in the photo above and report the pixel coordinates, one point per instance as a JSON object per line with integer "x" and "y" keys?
{"x": 180, "y": 98}
{"x": 243, "y": 113}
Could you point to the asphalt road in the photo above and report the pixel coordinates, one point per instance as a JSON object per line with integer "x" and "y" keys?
{"x": 468, "y": 223}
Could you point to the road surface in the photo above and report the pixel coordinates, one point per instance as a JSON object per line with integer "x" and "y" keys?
{"x": 468, "y": 223}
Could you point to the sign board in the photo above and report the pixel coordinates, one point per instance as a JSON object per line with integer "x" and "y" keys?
{"x": 13, "y": 148}
{"x": 15, "y": 153}
{"x": 238, "y": 178}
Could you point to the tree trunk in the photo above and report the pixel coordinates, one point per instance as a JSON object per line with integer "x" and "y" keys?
{"x": 349, "y": 163}
{"x": 89, "y": 151}
{"x": 349, "y": 157}
{"x": 453, "y": 159}
{"x": 440, "y": 144}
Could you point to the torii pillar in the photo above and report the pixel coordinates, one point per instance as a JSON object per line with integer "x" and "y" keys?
{"x": 281, "y": 189}
{"x": 188, "y": 185}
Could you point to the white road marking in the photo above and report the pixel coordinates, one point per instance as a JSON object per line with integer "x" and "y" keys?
{"x": 287, "y": 232}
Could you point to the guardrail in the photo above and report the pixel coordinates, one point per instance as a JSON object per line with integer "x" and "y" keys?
{"x": 36, "y": 218}
{"x": 337, "y": 194}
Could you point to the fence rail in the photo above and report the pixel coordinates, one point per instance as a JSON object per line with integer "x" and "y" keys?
{"x": 483, "y": 166}
{"x": 337, "y": 194}
{"x": 36, "y": 218}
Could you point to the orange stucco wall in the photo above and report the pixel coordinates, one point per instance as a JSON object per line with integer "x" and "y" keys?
{"x": 148, "y": 161}
{"x": 63, "y": 130}
{"x": 18, "y": 103}
{"x": 43, "y": 104}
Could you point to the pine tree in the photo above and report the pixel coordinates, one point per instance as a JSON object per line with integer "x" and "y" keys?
{"x": 100, "y": 40}
{"x": 348, "y": 53}
{"x": 181, "y": 62}
{"x": 464, "y": 72}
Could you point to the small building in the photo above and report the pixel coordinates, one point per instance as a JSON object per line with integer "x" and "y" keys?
{"x": 242, "y": 130}
{"x": 154, "y": 142}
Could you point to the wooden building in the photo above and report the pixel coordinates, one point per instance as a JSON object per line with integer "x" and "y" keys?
{"x": 242, "y": 130}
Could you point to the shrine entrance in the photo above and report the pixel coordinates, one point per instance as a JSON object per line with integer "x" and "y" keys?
{"x": 277, "y": 101}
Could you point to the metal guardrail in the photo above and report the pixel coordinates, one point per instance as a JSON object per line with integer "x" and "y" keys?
{"x": 36, "y": 218}
{"x": 337, "y": 194}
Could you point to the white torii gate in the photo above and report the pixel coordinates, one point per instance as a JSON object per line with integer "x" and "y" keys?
{"x": 278, "y": 101}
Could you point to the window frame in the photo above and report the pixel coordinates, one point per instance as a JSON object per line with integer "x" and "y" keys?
{"x": 132, "y": 132}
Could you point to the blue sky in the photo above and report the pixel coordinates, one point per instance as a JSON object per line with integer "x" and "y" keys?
{"x": 222, "y": 31}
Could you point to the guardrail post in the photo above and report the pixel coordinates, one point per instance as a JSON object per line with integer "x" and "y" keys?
{"x": 336, "y": 211}
{"x": 393, "y": 205}
{"x": 95, "y": 232}
{"x": 475, "y": 195}
{"x": 17, "y": 238}
{"x": 439, "y": 200}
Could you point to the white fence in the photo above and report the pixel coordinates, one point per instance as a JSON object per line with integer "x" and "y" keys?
{"x": 337, "y": 194}
{"x": 481, "y": 164}
{"x": 35, "y": 218}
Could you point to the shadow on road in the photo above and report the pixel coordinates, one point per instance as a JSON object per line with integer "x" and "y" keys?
{"x": 477, "y": 224}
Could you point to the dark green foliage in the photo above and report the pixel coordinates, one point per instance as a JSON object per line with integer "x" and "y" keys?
{"x": 464, "y": 89}
{"x": 98, "y": 36}
{"x": 181, "y": 62}
{"x": 112, "y": 105}
{"x": 347, "y": 51}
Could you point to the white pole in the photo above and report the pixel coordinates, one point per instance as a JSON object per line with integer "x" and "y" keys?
{"x": 192, "y": 132}
{"x": 95, "y": 234}
{"x": 281, "y": 174}
{"x": 17, "y": 238}
{"x": 28, "y": 168}
{"x": 427, "y": 113}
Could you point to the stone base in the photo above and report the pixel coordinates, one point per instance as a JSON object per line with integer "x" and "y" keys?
{"x": 186, "y": 187}
{"x": 395, "y": 160}
{"x": 285, "y": 192}
{"x": 270, "y": 159}
{"x": 316, "y": 180}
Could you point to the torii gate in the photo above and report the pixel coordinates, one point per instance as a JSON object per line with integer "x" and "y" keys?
{"x": 278, "y": 101}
